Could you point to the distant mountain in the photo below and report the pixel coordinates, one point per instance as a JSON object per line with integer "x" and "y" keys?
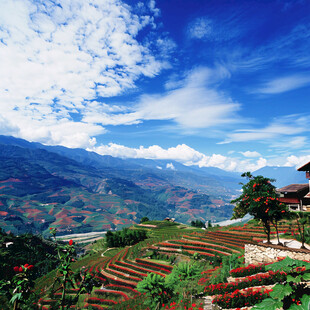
{"x": 283, "y": 175}
{"x": 77, "y": 191}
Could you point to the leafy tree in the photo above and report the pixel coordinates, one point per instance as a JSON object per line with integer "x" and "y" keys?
{"x": 302, "y": 220}
{"x": 154, "y": 285}
{"x": 144, "y": 219}
{"x": 182, "y": 281}
{"x": 125, "y": 237}
{"x": 198, "y": 223}
{"x": 259, "y": 198}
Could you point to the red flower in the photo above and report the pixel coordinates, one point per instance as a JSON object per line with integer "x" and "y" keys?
{"x": 16, "y": 268}
{"x": 26, "y": 265}
{"x": 30, "y": 267}
{"x": 20, "y": 269}
{"x": 70, "y": 242}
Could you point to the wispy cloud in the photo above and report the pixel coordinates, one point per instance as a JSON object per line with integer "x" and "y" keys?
{"x": 288, "y": 126}
{"x": 222, "y": 28}
{"x": 194, "y": 103}
{"x": 290, "y": 49}
{"x": 284, "y": 84}
{"x": 55, "y": 59}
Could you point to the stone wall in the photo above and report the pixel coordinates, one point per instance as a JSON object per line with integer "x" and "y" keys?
{"x": 262, "y": 253}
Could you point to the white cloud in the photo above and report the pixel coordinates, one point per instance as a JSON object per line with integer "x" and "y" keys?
{"x": 170, "y": 166}
{"x": 194, "y": 103}
{"x": 250, "y": 154}
{"x": 61, "y": 56}
{"x": 297, "y": 161}
{"x": 284, "y": 84}
{"x": 287, "y": 126}
{"x": 183, "y": 154}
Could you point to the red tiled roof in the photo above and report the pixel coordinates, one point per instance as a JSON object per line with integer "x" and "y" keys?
{"x": 289, "y": 200}
{"x": 292, "y": 188}
{"x": 305, "y": 167}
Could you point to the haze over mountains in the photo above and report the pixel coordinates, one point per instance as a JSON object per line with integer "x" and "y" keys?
{"x": 80, "y": 191}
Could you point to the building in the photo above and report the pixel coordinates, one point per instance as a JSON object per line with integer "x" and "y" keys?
{"x": 297, "y": 196}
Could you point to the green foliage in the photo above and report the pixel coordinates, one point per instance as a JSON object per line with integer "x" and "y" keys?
{"x": 154, "y": 285}
{"x": 144, "y": 219}
{"x": 294, "y": 292}
{"x": 16, "y": 250}
{"x": 182, "y": 281}
{"x": 259, "y": 198}
{"x": 65, "y": 277}
{"x": 303, "y": 221}
{"x": 228, "y": 263}
{"x": 159, "y": 256}
{"x": 19, "y": 288}
{"x": 198, "y": 223}
{"x": 125, "y": 237}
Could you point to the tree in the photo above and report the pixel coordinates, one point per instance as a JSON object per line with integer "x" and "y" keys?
{"x": 144, "y": 219}
{"x": 182, "y": 281}
{"x": 198, "y": 223}
{"x": 302, "y": 220}
{"x": 259, "y": 198}
{"x": 154, "y": 286}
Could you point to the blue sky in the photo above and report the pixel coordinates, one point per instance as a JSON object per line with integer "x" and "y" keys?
{"x": 207, "y": 83}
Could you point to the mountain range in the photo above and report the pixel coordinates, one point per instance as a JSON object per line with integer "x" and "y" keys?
{"x": 80, "y": 191}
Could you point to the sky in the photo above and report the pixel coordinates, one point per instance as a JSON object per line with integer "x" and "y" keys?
{"x": 209, "y": 83}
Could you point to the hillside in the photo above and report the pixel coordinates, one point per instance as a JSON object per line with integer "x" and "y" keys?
{"x": 192, "y": 266}
{"x": 40, "y": 187}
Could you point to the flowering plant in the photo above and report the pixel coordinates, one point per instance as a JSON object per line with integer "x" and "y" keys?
{"x": 248, "y": 270}
{"x": 241, "y": 299}
{"x": 20, "y": 287}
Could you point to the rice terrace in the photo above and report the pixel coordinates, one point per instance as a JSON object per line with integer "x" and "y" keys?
{"x": 154, "y": 154}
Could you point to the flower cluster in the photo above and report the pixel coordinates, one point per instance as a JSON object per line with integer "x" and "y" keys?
{"x": 249, "y": 281}
{"x": 187, "y": 306}
{"x": 238, "y": 298}
{"x": 246, "y": 271}
{"x": 19, "y": 269}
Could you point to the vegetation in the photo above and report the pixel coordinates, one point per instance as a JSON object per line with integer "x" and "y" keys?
{"x": 162, "y": 265}
{"x": 303, "y": 222}
{"x": 293, "y": 293}
{"x": 125, "y": 237}
{"x": 27, "y": 248}
{"x": 198, "y": 223}
{"x": 259, "y": 198}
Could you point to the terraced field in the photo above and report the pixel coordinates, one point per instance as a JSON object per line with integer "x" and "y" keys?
{"x": 120, "y": 274}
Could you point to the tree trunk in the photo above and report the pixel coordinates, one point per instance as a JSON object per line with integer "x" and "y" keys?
{"x": 267, "y": 231}
{"x": 301, "y": 229}
{"x": 276, "y": 227}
